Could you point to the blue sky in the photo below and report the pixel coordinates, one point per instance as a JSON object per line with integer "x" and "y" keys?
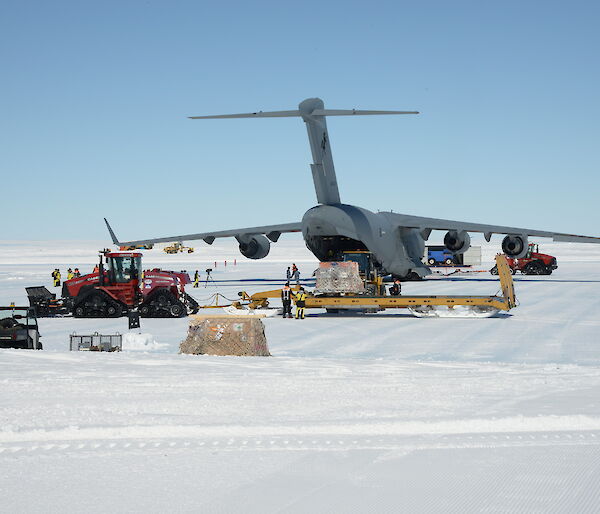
{"x": 95, "y": 98}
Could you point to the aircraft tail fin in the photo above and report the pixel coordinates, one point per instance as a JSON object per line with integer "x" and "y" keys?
{"x": 112, "y": 234}
{"x": 313, "y": 112}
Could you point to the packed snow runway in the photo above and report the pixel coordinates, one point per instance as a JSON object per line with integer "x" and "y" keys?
{"x": 353, "y": 413}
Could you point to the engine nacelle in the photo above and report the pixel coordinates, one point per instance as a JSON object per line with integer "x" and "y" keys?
{"x": 254, "y": 247}
{"x": 515, "y": 245}
{"x": 457, "y": 242}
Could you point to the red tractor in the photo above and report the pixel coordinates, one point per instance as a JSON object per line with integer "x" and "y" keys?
{"x": 119, "y": 285}
{"x": 534, "y": 263}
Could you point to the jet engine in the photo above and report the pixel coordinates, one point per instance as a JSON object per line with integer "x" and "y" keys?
{"x": 515, "y": 246}
{"x": 457, "y": 242}
{"x": 254, "y": 247}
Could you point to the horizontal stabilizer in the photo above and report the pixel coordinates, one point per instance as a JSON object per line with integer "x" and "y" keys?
{"x": 296, "y": 113}
{"x": 259, "y": 114}
{"x": 355, "y": 112}
{"x": 313, "y": 113}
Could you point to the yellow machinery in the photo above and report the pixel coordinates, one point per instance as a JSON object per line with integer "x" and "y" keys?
{"x": 177, "y": 248}
{"x": 260, "y": 300}
{"x": 131, "y": 248}
{"x": 368, "y": 270}
{"x": 422, "y": 306}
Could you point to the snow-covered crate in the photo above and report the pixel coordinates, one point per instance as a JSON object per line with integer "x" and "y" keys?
{"x": 338, "y": 277}
{"x": 226, "y": 335}
{"x": 96, "y": 342}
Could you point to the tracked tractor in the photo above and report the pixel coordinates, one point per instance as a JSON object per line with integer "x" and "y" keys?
{"x": 118, "y": 286}
{"x": 534, "y": 263}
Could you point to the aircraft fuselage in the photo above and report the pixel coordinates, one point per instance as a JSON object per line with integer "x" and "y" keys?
{"x": 329, "y": 230}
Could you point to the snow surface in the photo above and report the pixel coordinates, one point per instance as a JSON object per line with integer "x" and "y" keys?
{"x": 353, "y": 413}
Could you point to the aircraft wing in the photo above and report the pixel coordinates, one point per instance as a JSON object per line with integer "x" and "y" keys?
{"x": 426, "y": 225}
{"x": 271, "y": 231}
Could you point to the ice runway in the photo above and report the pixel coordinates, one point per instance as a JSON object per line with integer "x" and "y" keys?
{"x": 381, "y": 413}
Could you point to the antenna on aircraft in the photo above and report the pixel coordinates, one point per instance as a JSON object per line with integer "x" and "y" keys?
{"x": 313, "y": 112}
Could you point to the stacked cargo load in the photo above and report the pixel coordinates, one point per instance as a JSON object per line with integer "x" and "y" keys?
{"x": 338, "y": 277}
{"x": 226, "y": 335}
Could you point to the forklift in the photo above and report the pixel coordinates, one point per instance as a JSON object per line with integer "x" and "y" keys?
{"x": 369, "y": 269}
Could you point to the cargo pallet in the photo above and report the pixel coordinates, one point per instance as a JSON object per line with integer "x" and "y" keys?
{"x": 418, "y": 305}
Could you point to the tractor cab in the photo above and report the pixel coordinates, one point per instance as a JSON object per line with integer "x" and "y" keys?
{"x": 531, "y": 249}
{"x": 123, "y": 268}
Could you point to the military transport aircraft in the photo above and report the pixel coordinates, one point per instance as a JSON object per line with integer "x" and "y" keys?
{"x": 396, "y": 240}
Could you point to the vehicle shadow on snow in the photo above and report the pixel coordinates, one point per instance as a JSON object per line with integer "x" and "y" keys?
{"x": 515, "y": 279}
{"x": 326, "y": 315}
{"x": 359, "y": 315}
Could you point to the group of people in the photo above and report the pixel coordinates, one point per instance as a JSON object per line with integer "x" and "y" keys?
{"x": 71, "y": 273}
{"x": 293, "y": 273}
{"x": 286, "y": 299}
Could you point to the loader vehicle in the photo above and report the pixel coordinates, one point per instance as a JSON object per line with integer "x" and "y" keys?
{"x": 129, "y": 248}
{"x": 177, "y": 248}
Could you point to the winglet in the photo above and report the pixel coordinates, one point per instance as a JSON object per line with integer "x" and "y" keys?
{"x": 112, "y": 234}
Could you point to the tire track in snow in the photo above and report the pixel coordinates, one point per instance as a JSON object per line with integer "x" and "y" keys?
{"x": 319, "y": 442}
{"x": 299, "y": 443}
{"x": 474, "y": 426}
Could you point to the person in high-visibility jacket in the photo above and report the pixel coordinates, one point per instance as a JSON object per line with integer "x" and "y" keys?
{"x": 286, "y": 300}
{"x": 56, "y": 276}
{"x": 300, "y": 297}
{"x": 396, "y": 289}
{"x": 70, "y": 274}
{"x": 196, "y": 278}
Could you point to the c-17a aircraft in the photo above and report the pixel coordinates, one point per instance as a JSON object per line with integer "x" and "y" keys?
{"x": 397, "y": 241}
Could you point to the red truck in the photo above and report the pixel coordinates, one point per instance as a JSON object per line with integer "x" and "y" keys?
{"x": 534, "y": 263}
{"x": 117, "y": 286}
